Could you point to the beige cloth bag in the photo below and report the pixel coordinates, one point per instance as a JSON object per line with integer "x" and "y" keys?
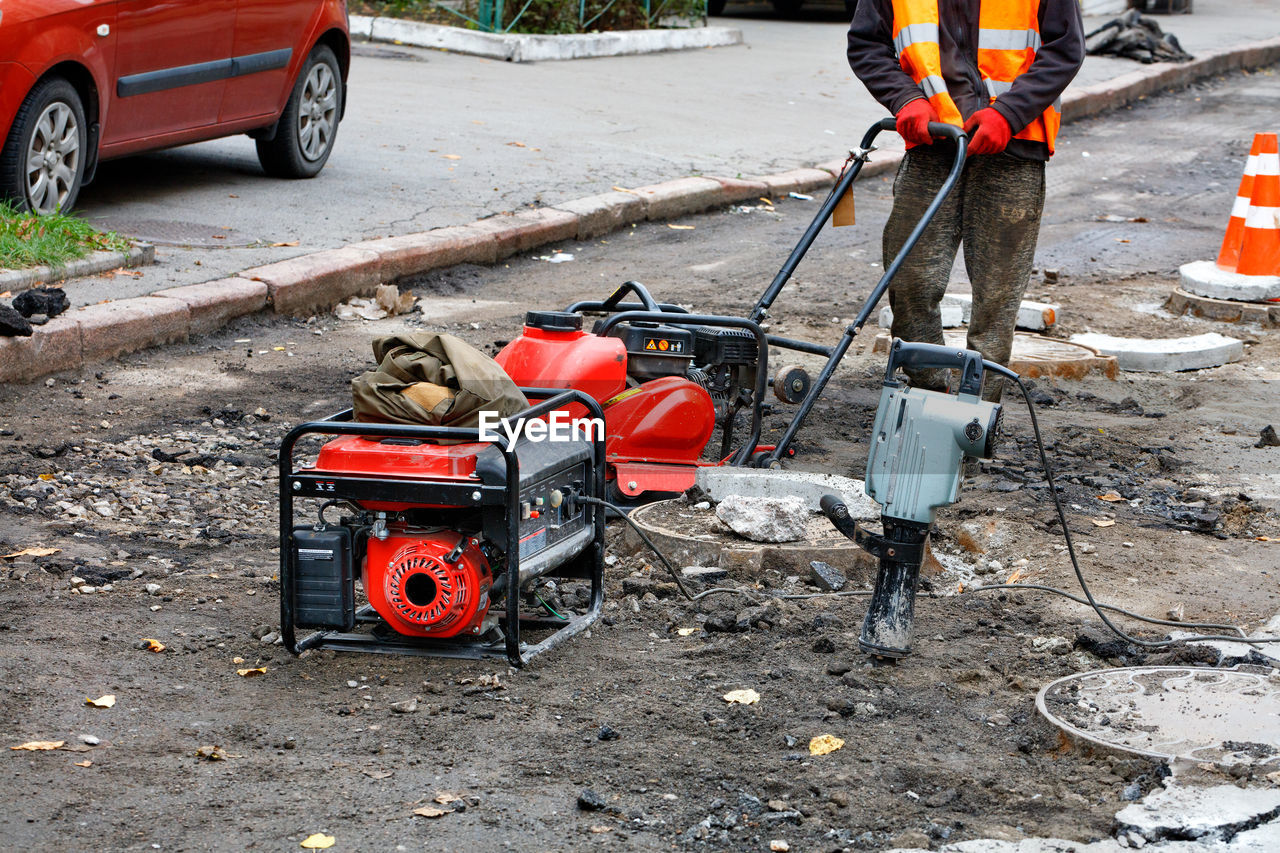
{"x": 434, "y": 379}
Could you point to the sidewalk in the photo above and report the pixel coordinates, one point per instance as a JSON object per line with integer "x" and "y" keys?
{"x": 584, "y": 128}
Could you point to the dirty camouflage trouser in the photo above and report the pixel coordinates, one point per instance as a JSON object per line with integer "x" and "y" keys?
{"x": 995, "y": 211}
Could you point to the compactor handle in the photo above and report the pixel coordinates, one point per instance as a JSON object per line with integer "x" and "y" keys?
{"x": 942, "y": 130}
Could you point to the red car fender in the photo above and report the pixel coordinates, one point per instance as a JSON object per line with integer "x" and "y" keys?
{"x": 330, "y": 18}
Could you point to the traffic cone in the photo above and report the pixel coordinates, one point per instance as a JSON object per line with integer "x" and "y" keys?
{"x": 1229, "y": 255}
{"x": 1260, "y": 244}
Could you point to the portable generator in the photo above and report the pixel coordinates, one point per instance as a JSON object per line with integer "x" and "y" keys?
{"x": 666, "y": 378}
{"x": 446, "y": 529}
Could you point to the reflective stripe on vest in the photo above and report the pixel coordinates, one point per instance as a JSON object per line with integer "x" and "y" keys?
{"x": 1008, "y": 38}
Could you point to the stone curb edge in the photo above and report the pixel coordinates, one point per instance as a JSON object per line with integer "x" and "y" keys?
{"x": 524, "y": 47}
{"x": 300, "y": 286}
{"x": 97, "y": 262}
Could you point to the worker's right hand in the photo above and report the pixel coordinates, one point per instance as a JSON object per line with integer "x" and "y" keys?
{"x": 913, "y": 122}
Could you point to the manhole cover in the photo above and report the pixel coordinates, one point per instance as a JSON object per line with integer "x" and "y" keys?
{"x": 1175, "y": 713}
{"x": 163, "y": 232}
{"x": 1035, "y": 356}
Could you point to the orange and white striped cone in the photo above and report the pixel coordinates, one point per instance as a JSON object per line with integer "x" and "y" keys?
{"x": 1260, "y": 246}
{"x": 1248, "y": 265}
{"x": 1229, "y": 255}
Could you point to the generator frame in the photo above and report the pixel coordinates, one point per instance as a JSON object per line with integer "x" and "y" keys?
{"x": 588, "y": 564}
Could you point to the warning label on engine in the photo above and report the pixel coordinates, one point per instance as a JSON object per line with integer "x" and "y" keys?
{"x": 533, "y": 542}
{"x": 663, "y": 345}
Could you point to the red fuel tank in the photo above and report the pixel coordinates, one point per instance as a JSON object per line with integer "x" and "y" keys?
{"x": 664, "y": 420}
{"x": 554, "y": 352}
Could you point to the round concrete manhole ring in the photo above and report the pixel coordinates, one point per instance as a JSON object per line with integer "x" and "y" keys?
{"x": 695, "y": 537}
{"x": 1179, "y": 714}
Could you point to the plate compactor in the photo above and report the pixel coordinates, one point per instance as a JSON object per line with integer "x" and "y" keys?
{"x": 448, "y": 531}
{"x": 666, "y": 378}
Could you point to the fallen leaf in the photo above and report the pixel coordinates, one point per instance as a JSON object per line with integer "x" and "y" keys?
{"x": 685, "y": 632}
{"x": 767, "y": 201}
{"x": 517, "y": 145}
{"x": 675, "y": 227}
{"x": 430, "y": 811}
{"x": 742, "y": 697}
{"x": 286, "y": 243}
{"x": 451, "y": 156}
{"x": 1110, "y": 497}
{"x": 35, "y": 551}
{"x": 252, "y": 672}
{"x": 152, "y": 645}
{"x": 85, "y": 763}
{"x": 1103, "y": 522}
{"x": 823, "y": 744}
{"x": 318, "y": 841}
{"x": 107, "y": 701}
{"x": 237, "y": 660}
{"x": 1015, "y": 577}
{"x": 211, "y": 753}
{"x": 624, "y": 190}
{"x": 46, "y": 477}
{"x": 36, "y": 745}
{"x": 376, "y": 774}
{"x": 600, "y": 829}
{"x": 446, "y": 797}
{"x": 278, "y": 349}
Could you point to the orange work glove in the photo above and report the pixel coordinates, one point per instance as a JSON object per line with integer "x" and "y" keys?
{"x": 989, "y": 132}
{"x": 913, "y": 122}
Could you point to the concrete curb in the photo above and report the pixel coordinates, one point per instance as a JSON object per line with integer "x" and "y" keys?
{"x": 16, "y": 280}
{"x": 525, "y": 47}
{"x": 304, "y": 284}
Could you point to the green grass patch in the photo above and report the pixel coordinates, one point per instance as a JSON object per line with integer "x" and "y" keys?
{"x": 31, "y": 241}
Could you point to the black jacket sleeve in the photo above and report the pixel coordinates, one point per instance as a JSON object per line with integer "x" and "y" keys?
{"x": 872, "y": 58}
{"x": 1059, "y": 59}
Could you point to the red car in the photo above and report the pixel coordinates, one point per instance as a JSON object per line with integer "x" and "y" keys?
{"x": 86, "y": 80}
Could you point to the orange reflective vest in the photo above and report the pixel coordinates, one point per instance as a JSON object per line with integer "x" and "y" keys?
{"x": 1008, "y": 38}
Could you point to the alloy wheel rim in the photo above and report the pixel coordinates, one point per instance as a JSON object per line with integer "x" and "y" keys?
{"x": 53, "y": 158}
{"x": 317, "y": 114}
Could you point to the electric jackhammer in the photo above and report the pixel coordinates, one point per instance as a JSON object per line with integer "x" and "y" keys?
{"x": 918, "y": 443}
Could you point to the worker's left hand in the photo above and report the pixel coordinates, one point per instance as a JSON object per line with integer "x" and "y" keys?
{"x": 989, "y": 132}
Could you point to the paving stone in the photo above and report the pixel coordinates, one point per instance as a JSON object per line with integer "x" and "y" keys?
{"x": 673, "y": 199}
{"x": 601, "y": 214}
{"x": 52, "y": 347}
{"x": 953, "y": 314}
{"x": 1204, "y": 278}
{"x": 957, "y": 308}
{"x": 411, "y": 254}
{"x": 1161, "y": 355}
{"x": 796, "y": 181}
{"x": 212, "y": 304}
{"x": 305, "y": 284}
{"x": 125, "y": 325}
{"x": 528, "y": 229}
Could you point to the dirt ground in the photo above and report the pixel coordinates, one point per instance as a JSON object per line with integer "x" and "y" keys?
{"x": 153, "y": 476}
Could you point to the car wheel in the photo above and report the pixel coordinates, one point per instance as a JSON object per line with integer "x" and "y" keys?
{"x": 304, "y": 135}
{"x": 43, "y": 160}
{"x": 787, "y": 7}
{"x": 715, "y": 7}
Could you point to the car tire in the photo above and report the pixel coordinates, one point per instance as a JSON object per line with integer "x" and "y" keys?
{"x": 715, "y": 7}
{"x": 787, "y": 7}
{"x": 307, "y": 127}
{"x": 42, "y": 165}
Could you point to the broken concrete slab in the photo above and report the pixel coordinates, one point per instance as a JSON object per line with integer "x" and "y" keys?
{"x": 953, "y": 314}
{"x": 1205, "y": 278}
{"x": 1165, "y": 355}
{"x": 777, "y": 519}
{"x": 826, "y": 576}
{"x": 720, "y": 482}
{"x": 1218, "y": 813}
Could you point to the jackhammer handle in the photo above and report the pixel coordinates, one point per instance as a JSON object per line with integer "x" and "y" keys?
{"x": 836, "y": 511}
{"x": 925, "y": 356}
